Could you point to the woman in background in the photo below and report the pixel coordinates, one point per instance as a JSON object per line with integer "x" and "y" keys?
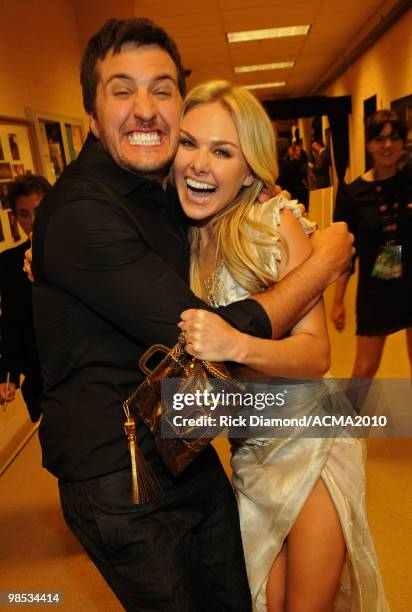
{"x": 301, "y": 500}
{"x": 378, "y": 209}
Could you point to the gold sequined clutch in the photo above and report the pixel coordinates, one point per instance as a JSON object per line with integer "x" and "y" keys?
{"x": 191, "y": 375}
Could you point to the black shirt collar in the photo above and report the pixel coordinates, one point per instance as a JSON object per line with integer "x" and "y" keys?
{"x": 99, "y": 162}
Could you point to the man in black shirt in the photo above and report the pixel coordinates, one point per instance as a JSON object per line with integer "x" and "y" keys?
{"x": 18, "y": 352}
{"x": 110, "y": 257}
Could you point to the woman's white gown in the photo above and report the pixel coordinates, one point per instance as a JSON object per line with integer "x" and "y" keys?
{"x": 272, "y": 478}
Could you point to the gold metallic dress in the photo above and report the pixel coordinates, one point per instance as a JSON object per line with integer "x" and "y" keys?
{"x": 273, "y": 478}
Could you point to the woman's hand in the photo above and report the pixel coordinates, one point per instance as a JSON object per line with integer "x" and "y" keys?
{"x": 209, "y": 337}
{"x": 338, "y": 315}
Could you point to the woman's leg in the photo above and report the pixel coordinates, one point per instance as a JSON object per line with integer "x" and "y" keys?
{"x": 315, "y": 555}
{"x": 276, "y": 584}
{"x": 368, "y": 356}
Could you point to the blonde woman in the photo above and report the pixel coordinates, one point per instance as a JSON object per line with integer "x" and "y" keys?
{"x": 301, "y": 500}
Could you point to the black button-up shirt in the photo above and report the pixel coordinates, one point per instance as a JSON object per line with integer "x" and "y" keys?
{"x": 111, "y": 258}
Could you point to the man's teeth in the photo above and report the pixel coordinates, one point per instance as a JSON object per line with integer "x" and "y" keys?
{"x": 197, "y": 185}
{"x": 144, "y": 138}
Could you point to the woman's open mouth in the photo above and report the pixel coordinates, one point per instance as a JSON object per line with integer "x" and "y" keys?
{"x": 199, "y": 191}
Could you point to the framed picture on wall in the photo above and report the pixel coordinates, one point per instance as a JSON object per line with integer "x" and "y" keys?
{"x": 18, "y": 170}
{"x": 75, "y": 139}
{"x": 17, "y": 153}
{"x": 14, "y": 146}
{"x": 52, "y": 135}
{"x": 59, "y": 139}
{"x": 6, "y": 172}
{"x": 4, "y": 194}
{"x": 17, "y": 143}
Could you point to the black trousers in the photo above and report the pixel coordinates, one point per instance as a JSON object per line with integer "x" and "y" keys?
{"x": 31, "y": 390}
{"x": 180, "y": 553}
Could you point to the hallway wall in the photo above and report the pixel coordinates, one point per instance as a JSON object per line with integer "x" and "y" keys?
{"x": 39, "y": 58}
{"x": 385, "y": 70}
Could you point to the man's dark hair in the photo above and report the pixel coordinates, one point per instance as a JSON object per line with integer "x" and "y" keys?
{"x": 25, "y": 186}
{"x": 319, "y": 142}
{"x": 378, "y": 120}
{"x": 112, "y": 36}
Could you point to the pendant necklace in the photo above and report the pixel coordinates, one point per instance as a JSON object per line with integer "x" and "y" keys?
{"x": 213, "y": 284}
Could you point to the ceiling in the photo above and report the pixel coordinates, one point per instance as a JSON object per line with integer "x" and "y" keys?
{"x": 200, "y": 27}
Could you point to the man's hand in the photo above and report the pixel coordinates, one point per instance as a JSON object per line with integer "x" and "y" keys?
{"x": 208, "y": 336}
{"x": 338, "y": 315}
{"x": 11, "y": 392}
{"x": 28, "y": 259}
{"x": 333, "y": 248}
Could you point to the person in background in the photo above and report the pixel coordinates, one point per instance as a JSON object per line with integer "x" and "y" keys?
{"x": 292, "y": 175}
{"x": 377, "y": 207}
{"x": 300, "y": 155}
{"x": 321, "y": 166}
{"x": 18, "y": 352}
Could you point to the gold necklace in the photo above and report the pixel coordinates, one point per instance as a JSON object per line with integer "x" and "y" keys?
{"x": 213, "y": 285}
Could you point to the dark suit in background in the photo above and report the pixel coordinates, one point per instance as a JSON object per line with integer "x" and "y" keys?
{"x": 18, "y": 352}
{"x": 321, "y": 169}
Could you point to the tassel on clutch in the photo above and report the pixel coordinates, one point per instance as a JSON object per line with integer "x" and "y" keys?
{"x": 145, "y": 486}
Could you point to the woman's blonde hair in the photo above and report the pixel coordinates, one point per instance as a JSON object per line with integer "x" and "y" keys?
{"x": 232, "y": 225}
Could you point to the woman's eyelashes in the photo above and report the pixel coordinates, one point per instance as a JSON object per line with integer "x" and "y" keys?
{"x": 187, "y": 143}
{"x": 222, "y": 153}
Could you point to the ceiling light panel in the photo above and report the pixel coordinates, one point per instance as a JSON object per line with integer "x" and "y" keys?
{"x": 266, "y": 85}
{"x": 268, "y": 33}
{"x": 257, "y": 67}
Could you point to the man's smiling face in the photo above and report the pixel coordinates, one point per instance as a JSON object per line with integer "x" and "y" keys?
{"x": 138, "y": 109}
